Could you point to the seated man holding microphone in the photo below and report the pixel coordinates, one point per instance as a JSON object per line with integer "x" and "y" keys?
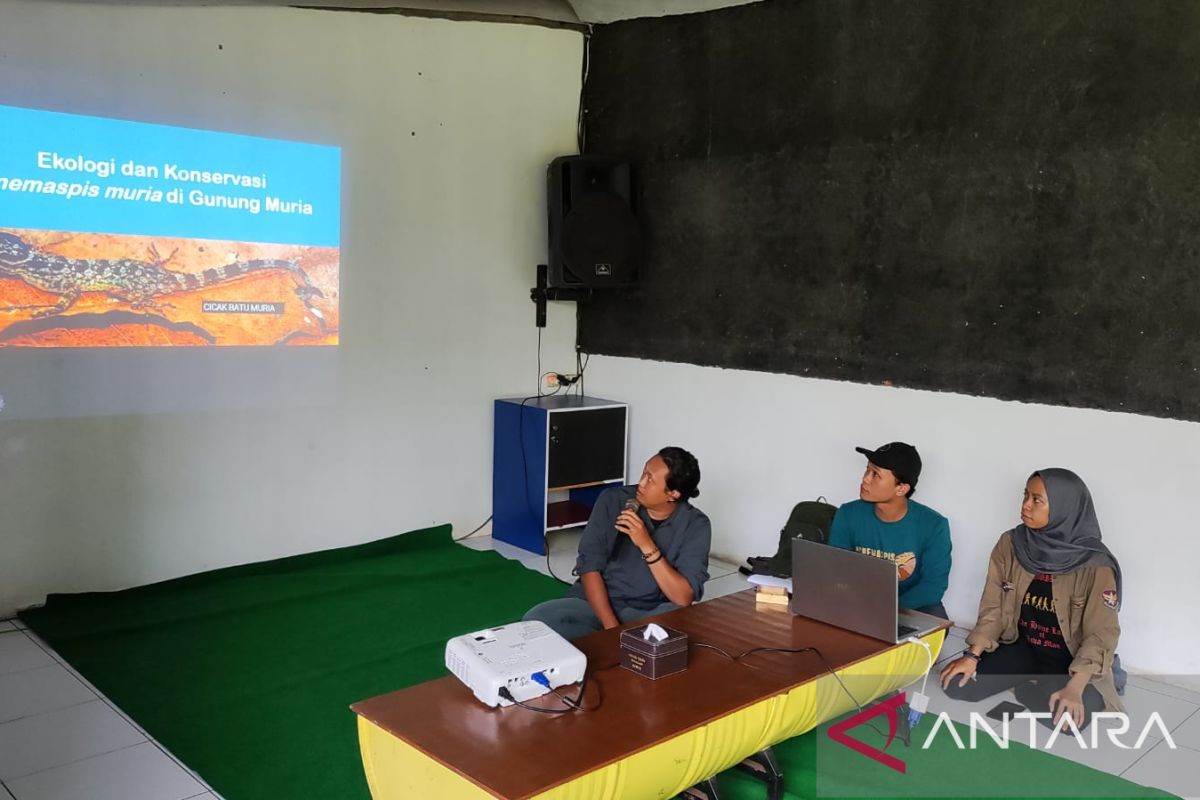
{"x": 644, "y": 551}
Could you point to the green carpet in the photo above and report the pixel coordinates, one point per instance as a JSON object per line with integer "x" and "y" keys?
{"x": 246, "y": 674}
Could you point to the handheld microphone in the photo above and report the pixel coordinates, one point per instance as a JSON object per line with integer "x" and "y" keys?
{"x": 632, "y": 505}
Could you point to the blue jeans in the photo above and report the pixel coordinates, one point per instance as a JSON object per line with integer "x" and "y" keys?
{"x": 572, "y": 617}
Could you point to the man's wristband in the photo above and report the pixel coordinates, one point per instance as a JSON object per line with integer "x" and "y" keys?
{"x": 973, "y": 656}
{"x": 654, "y": 560}
{"x": 655, "y": 552}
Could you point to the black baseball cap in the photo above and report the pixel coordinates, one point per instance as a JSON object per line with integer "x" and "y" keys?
{"x": 900, "y": 457}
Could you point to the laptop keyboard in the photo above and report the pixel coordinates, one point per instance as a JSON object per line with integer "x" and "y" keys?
{"x": 904, "y": 630}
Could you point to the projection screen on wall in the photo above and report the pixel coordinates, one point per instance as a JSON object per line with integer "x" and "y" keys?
{"x": 116, "y": 234}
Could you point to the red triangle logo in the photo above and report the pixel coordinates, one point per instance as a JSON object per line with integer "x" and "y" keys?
{"x": 838, "y": 732}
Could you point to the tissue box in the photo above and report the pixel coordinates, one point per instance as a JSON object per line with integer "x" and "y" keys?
{"x": 654, "y": 659}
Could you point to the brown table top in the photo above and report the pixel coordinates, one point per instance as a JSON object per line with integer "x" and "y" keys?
{"x": 515, "y": 753}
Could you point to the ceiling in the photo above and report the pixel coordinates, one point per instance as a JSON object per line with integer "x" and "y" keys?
{"x": 561, "y": 11}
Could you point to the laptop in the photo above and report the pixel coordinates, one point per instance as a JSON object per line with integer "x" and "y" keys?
{"x": 853, "y": 591}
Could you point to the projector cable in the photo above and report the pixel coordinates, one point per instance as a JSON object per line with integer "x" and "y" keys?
{"x": 580, "y": 122}
{"x": 573, "y": 704}
{"x": 576, "y": 703}
{"x": 580, "y": 363}
{"x": 549, "y": 568}
{"x": 507, "y": 695}
{"x": 477, "y": 530}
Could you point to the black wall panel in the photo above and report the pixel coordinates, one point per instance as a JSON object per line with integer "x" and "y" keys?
{"x": 992, "y": 198}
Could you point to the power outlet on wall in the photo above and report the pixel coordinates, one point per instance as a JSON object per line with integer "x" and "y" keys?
{"x": 552, "y": 381}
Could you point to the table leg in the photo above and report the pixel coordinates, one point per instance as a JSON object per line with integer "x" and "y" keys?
{"x": 764, "y": 766}
{"x": 705, "y": 790}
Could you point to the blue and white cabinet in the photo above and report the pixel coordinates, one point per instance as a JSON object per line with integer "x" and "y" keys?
{"x": 552, "y": 456}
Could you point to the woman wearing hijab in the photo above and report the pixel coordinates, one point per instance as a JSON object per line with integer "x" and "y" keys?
{"x": 1048, "y": 616}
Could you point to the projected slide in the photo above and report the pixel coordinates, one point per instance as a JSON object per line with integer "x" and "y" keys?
{"x": 116, "y": 233}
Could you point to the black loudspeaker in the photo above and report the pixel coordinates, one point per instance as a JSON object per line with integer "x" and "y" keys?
{"x": 595, "y": 241}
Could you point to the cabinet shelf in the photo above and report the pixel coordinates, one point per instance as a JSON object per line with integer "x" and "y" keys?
{"x": 588, "y": 485}
{"x": 566, "y": 514}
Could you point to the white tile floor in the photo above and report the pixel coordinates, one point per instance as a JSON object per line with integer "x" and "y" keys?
{"x": 62, "y": 740}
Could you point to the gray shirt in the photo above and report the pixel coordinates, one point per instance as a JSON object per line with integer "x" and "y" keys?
{"x": 684, "y": 539}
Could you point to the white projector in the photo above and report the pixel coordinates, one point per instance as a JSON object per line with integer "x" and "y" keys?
{"x": 509, "y": 656}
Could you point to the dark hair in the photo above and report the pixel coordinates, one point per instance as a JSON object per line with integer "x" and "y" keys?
{"x": 912, "y": 484}
{"x": 683, "y": 471}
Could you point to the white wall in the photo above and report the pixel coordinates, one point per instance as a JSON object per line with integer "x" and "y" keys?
{"x": 767, "y": 441}
{"x": 441, "y": 232}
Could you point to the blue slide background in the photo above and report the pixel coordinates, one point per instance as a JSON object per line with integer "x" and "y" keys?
{"x": 295, "y": 171}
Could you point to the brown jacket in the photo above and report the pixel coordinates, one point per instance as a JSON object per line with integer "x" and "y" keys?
{"x": 1084, "y": 601}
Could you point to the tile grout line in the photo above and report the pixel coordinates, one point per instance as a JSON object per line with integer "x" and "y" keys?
{"x": 151, "y": 740}
{"x": 1185, "y": 721}
{"x": 50, "y": 711}
{"x": 1140, "y": 757}
{"x": 1156, "y": 744}
{"x": 97, "y": 696}
{"x": 115, "y": 708}
{"x": 209, "y": 792}
{"x": 1168, "y": 696}
{"x": 30, "y": 669}
{"x": 190, "y": 772}
{"x": 45, "y": 647}
{"x": 76, "y": 761}
{"x": 61, "y": 662}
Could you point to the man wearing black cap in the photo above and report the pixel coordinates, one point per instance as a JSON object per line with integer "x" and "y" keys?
{"x": 885, "y": 523}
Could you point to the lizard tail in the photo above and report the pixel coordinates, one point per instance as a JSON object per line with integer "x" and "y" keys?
{"x": 215, "y": 275}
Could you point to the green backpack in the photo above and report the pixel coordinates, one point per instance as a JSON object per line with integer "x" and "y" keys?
{"x": 810, "y": 520}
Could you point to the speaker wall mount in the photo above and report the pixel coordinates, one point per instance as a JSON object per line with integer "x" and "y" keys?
{"x": 543, "y": 292}
{"x": 595, "y": 241}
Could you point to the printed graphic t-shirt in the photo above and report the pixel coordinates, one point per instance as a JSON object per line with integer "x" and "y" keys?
{"x": 918, "y": 543}
{"x": 1039, "y": 625}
